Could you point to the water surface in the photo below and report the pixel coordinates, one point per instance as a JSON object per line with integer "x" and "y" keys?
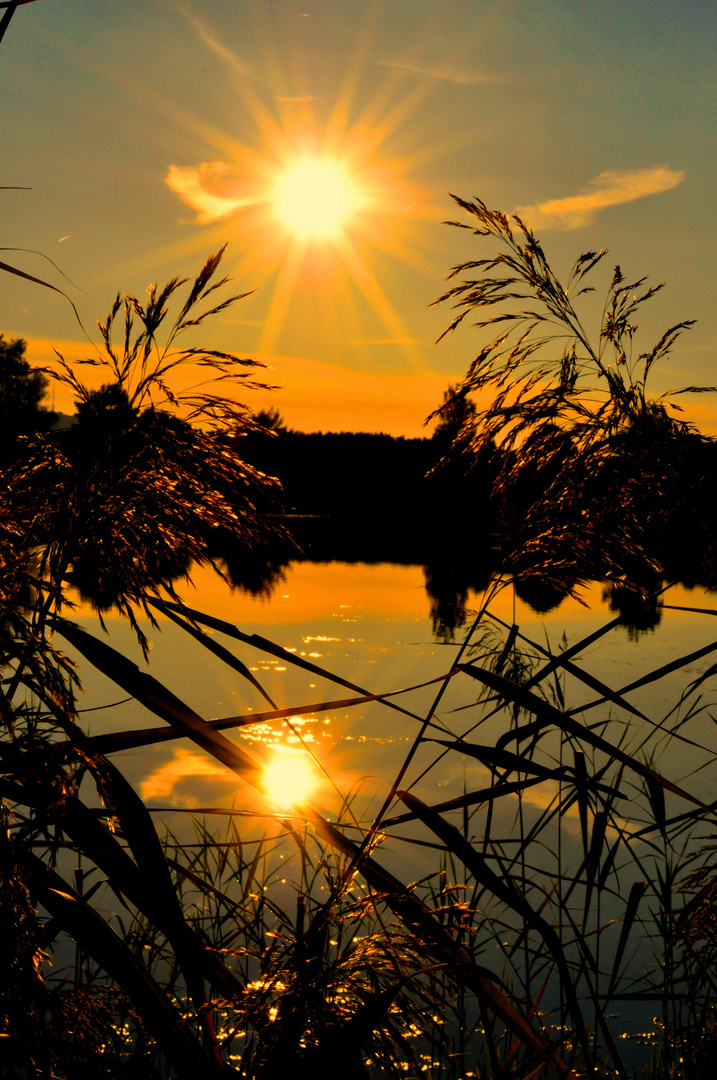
{"x": 371, "y": 625}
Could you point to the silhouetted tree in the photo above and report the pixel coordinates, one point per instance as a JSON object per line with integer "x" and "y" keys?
{"x": 106, "y": 408}
{"x": 270, "y": 420}
{"x": 457, "y": 419}
{"x": 134, "y": 492}
{"x": 22, "y": 390}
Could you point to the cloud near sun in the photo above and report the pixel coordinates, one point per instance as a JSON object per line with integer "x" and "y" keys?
{"x": 610, "y": 188}
{"x": 209, "y": 189}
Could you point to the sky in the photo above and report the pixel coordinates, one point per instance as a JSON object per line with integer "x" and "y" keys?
{"x": 321, "y": 140}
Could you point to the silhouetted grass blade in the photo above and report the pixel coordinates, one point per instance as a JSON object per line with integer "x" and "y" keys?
{"x": 637, "y": 891}
{"x": 505, "y": 891}
{"x": 562, "y": 661}
{"x": 149, "y": 692}
{"x": 654, "y": 676}
{"x": 444, "y": 947}
{"x": 471, "y": 798}
{"x": 114, "y": 741}
{"x": 548, "y": 714}
{"x": 265, "y": 645}
{"x": 100, "y": 942}
{"x": 219, "y": 651}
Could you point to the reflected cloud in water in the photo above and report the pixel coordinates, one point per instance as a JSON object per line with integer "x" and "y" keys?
{"x": 181, "y": 780}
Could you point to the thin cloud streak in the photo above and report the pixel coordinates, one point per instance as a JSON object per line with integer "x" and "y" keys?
{"x": 611, "y": 188}
{"x": 443, "y": 72}
{"x": 206, "y": 35}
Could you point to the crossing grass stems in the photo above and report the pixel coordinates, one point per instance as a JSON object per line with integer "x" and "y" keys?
{"x": 289, "y": 946}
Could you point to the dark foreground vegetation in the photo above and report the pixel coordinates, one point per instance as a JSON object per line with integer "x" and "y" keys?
{"x": 569, "y": 883}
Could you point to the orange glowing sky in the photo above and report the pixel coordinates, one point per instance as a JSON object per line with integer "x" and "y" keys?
{"x": 321, "y": 141}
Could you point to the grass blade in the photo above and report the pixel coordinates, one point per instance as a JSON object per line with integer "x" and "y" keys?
{"x": 548, "y": 714}
{"x": 637, "y": 892}
{"x": 219, "y": 651}
{"x": 98, "y": 940}
{"x": 149, "y": 692}
{"x": 265, "y": 645}
{"x": 505, "y": 891}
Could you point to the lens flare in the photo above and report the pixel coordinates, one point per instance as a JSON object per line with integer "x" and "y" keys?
{"x": 289, "y": 779}
{"x": 314, "y": 198}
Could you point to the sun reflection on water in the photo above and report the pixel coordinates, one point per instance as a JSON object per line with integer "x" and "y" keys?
{"x": 289, "y": 778}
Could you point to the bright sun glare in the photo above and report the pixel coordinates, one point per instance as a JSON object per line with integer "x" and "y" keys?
{"x": 289, "y": 779}
{"x": 318, "y": 200}
{"x": 314, "y": 198}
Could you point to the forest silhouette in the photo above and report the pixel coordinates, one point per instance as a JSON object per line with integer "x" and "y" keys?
{"x": 432, "y": 501}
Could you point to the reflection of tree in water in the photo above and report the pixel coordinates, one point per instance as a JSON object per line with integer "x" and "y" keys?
{"x": 259, "y": 571}
{"x": 542, "y": 595}
{"x": 640, "y": 610}
{"x": 447, "y": 585}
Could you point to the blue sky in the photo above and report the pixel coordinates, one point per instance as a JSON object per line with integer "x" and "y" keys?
{"x": 151, "y": 131}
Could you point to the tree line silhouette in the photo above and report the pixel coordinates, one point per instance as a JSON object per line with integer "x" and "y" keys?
{"x": 373, "y": 496}
{"x": 459, "y": 505}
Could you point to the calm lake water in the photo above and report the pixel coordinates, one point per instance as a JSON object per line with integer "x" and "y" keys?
{"x": 371, "y": 625}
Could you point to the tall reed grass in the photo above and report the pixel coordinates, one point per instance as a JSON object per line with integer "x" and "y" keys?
{"x": 571, "y": 885}
{"x": 573, "y": 882}
{"x": 592, "y": 466}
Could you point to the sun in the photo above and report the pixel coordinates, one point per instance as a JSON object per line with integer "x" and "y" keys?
{"x": 321, "y": 199}
{"x": 289, "y": 779}
{"x": 314, "y": 198}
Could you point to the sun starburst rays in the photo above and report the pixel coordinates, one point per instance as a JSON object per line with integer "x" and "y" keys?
{"x": 282, "y": 295}
{"x": 319, "y": 202}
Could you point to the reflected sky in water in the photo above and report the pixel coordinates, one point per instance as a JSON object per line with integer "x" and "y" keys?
{"x": 369, "y": 624}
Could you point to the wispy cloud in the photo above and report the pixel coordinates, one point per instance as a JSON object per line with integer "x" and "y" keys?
{"x": 209, "y": 189}
{"x": 207, "y": 35}
{"x": 445, "y": 72}
{"x": 610, "y": 188}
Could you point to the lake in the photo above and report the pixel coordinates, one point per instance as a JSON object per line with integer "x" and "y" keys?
{"x": 371, "y": 625}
